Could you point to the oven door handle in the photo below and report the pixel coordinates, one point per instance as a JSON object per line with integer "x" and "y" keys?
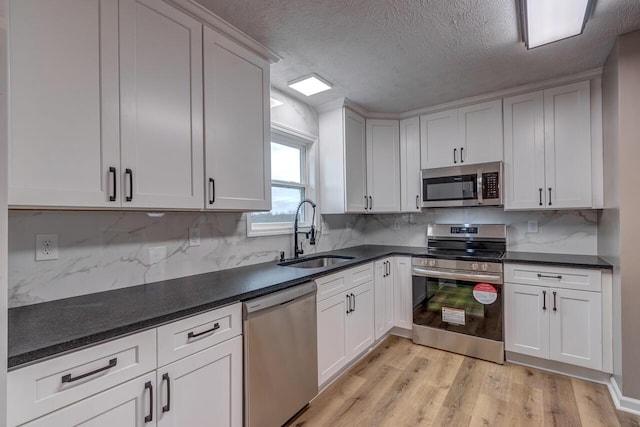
{"x": 480, "y": 187}
{"x": 490, "y": 278}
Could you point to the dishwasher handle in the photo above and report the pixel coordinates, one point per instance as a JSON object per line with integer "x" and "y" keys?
{"x": 278, "y": 298}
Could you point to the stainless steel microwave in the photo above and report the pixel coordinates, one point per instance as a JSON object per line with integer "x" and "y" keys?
{"x": 468, "y": 185}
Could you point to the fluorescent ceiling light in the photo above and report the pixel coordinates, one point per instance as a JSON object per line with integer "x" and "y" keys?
{"x": 310, "y": 85}
{"x": 547, "y": 21}
{"x": 275, "y": 103}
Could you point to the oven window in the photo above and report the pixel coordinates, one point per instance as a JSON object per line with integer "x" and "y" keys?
{"x": 450, "y": 188}
{"x": 452, "y": 305}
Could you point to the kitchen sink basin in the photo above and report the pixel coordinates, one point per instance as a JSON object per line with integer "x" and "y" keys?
{"x": 316, "y": 261}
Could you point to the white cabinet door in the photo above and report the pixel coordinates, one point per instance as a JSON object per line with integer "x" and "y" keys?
{"x": 360, "y": 322}
{"x": 480, "y": 132}
{"x": 576, "y": 327}
{"x": 237, "y": 120}
{"x": 379, "y": 295}
{"x": 64, "y": 106}
{"x": 567, "y": 123}
{"x": 524, "y": 164}
{"x": 332, "y": 336}
{"x": 161, "y": 106}
{"x": 410, "y": 173}
{"x": 389, "y": 302}
{"x": 439, "y": 139}
{"x": 204, "y": 389}
{"x": 383, "y": 165}
{"x": 355, "y": 162}
{"x": 527, "y": 319}
{"x": 127, "y": 405}
{"x": 402, "y": 293}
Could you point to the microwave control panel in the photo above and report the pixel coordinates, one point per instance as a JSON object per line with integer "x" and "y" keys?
{"x": 491, "y": 187}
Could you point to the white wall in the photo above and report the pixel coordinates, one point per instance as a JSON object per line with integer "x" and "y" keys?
{"x": 3, "y": 211}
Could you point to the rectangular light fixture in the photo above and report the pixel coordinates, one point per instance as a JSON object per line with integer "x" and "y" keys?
{"x": 310, "y": 85}
{"x": 547, "y": 21}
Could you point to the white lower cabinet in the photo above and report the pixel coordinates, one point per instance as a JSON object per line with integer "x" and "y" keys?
{"x": 345, "y": 320}
{"x": 555, "y": 323}
{"x": 127, "y": 405}
{"x": 118, "y": 383}
{"x": 383, "y": 286}
{"x": 204, "y": 389}
{"x": 402, "y": 293}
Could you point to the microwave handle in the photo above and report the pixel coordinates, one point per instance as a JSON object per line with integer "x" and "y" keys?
{"x": 479, "y": 186}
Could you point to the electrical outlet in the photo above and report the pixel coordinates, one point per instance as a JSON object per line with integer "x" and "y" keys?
{"x": 396, "y": 224}
{"x": 325, "y": 227}
{"x": 533, "y": 227}
{"x": 157, "y": 254}
{"x": 194, "y": 237}
{"x": 46, "y": 247}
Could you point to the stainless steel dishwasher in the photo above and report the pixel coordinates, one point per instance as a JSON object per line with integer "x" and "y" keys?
{"x": 280, "y": 355}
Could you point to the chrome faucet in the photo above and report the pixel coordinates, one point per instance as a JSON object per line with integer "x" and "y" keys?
{"x": 311, "y": 234}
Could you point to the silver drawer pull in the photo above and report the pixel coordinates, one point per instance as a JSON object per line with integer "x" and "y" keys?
{"x": 216, "y": 326}
{"x": 544, "y": 276}
{"x": 69, "y": 379}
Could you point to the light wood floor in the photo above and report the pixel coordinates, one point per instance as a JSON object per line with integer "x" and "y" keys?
{"x": 402, "y": 384}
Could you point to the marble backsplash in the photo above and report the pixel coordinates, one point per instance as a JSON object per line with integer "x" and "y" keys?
{"x": 108, "y": 250}
{"x": 102, "y": 251}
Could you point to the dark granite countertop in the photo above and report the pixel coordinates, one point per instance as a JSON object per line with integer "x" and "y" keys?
{"x": 39, "y": 331}
{"x": 563, "y": 260}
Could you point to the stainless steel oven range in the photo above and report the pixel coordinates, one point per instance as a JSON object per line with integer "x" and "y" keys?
{"x": 457, "y": 290}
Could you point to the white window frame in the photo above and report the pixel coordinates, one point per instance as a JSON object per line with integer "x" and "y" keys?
{"x": 284, "y": 135}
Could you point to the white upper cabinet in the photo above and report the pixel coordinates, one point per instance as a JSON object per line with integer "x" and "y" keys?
{"x": 64, "y": 106}
{"x": 161, "y": 106}
{"x": 567, "y": 122}
{"x": 480, "y": 132}
{"x": 466, "y": 135}
{"x": 524, "y": 151}
{"x": 548, "y": 149}
{"x": 410, "y": 173}
{"x": 359, "y": 163}
{"x": 237, "y": 120}
{"x": 355, "y": 166}
{"x": 439, "y": 139}
{"x": 383, "y": 165}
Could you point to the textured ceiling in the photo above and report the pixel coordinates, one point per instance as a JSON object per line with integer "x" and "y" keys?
{"x": 399, "y": 55}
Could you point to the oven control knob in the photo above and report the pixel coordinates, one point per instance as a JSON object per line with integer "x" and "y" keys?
{"x": 432, "y": 263}
{"x": 474, "y": 266}
{"x": 484, "y": 266}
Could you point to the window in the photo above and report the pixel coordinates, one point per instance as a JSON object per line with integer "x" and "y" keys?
{"x": 289, "y": 185}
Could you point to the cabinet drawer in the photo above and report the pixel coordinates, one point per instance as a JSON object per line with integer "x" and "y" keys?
{"x": 361, "y": 274}
{"x": 557, "y": 277}
{"x": 187, "y": 336}
{"x": 332, "y": 284}
{"x": 47, "y": 386}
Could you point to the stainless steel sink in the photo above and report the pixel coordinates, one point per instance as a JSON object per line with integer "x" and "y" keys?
{"x": 316, "y": 261}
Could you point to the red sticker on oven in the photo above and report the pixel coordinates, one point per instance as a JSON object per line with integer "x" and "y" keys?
{"x": 484, "y": 293}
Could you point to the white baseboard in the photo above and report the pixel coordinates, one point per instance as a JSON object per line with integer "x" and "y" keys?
{"x": 623, "y": 403}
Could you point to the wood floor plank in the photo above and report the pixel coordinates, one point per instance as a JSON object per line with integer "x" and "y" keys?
{"x": 594, "y": 404}
{"x": 400, "y": 384}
